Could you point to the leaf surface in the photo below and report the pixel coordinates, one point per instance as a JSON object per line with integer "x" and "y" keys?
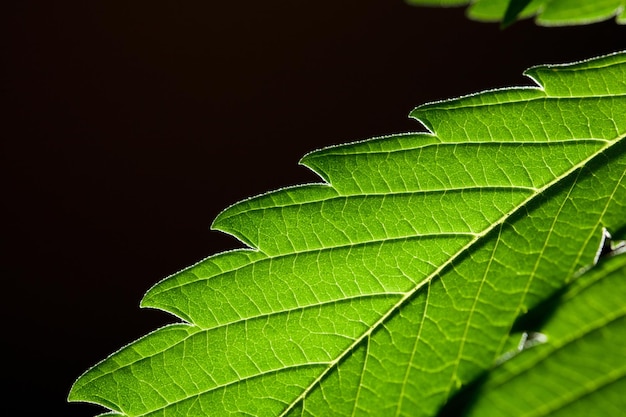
{"x": 385, "y": 289}
{"x": 546, "y": 12}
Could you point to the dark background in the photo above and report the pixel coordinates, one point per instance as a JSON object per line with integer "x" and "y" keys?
{"x": 128, "y": 127}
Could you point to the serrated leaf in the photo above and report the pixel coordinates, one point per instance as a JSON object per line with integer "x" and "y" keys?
{"x": 547, "y": 12}
{"x": 384, "y": 290}
{"x": 581, "y": 368}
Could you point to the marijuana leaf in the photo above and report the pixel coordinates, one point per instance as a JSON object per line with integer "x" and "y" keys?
{"x": 547, "y": 12}
{"x": 387, "y": 288}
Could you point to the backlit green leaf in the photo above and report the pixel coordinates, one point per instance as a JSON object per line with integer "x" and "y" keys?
{"x": 386, "y": 288}
{"x": 547, "y": 12}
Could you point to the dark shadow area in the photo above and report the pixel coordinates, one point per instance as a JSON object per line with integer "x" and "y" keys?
{"x": 536, "y": 317}
{"x": 619, "y": 234}
{"x": 463, "y": 400}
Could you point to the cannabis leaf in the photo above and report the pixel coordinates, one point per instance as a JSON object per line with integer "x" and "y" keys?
{"x": 387, "y": 288}
{"x": 547, "y": 12}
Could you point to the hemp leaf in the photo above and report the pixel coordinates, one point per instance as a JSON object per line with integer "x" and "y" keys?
{"x": 395, "y": 282}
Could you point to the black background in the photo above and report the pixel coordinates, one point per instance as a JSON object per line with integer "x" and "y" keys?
{"x": 128, "y": 126}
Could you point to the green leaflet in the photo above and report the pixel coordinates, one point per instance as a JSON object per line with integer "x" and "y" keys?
{"x": 384, "y": 290}
{"x": 581, "y": 367}
{"x": 547, "y": 12}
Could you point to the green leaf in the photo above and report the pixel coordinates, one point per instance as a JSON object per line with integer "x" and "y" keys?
{"x": 581, "y": 367}
{"x": 385, "y": 289}
{"x": 547, "y": 12}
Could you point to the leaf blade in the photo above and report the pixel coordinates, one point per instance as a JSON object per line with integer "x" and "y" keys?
{"x": 390, "y": 269}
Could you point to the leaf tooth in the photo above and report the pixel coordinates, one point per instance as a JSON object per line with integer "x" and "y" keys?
{"x": 602, "y": 77}
{"x": 439, "y": 166}
{"x": 303, "y": 279}
{"x": 542, "y": 119}
{"x": 289, "y": 229}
